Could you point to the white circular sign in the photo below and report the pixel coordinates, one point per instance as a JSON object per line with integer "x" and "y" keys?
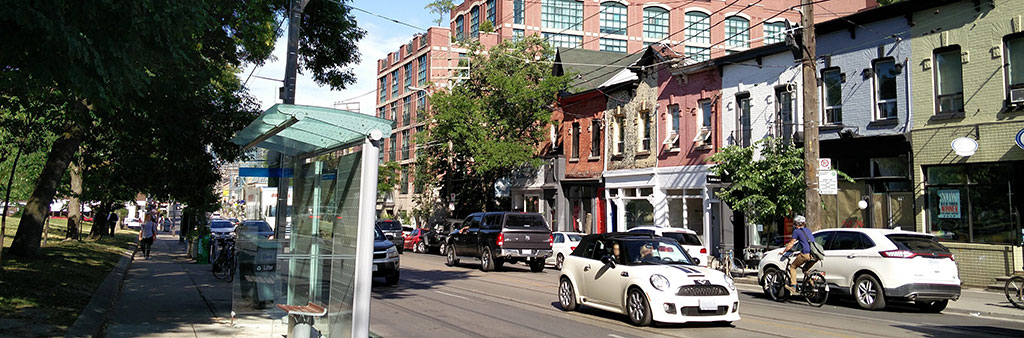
{"x": 1020, "y": 138}
{"x": 964, "y": 146}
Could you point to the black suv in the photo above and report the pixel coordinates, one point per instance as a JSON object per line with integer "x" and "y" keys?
{"x": 499, "y": 237}
{"x": 392, "y": 229}
{"x": 436, "y": 235}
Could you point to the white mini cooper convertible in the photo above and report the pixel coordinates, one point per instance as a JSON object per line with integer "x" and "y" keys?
{"x": 647, "y": 278}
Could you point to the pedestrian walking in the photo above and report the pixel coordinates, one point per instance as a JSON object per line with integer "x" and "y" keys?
{"x": 148, "y": 233}
{"x": 112, "y": 221}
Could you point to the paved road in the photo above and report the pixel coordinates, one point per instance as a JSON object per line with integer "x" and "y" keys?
{"x": 434, "y": 300}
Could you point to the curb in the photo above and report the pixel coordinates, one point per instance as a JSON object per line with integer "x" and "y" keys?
{"x": 92, "y": 319}
{"x": 983, "y": 314}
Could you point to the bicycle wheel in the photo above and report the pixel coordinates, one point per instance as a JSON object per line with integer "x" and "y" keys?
{"x": 221, "y": 270}
{"x": 232, "y": 261}
{"x": 738, "y": 269}
{"x": 775, "y": 285}
{"x": 815, "y": 289}
{"x": 1014, "y": 291}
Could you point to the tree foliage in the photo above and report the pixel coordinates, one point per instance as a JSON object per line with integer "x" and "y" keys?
{"x": 490, "y": 124}
{"x": 441, "y": 8}
{"x": 768, "y": 187}
{"x": 387, "y": 178}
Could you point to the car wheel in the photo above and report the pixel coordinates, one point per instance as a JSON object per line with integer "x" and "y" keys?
{"x": 932, "y": 306}
{"x": 768, "y": 281}
{"x": 443, "y": 249}
{"x": 869, "y": 293}
{"x": 566, "y": 295}
{"x": 392, "y": 279}
{"x": 536, "y": 265}
{"x": 486, "y": 260}
{"x": 451, "y": 260}
{"x": 558, "y": 261}
{"x": 421, "y": 248}
{"x": 637, "y": 308}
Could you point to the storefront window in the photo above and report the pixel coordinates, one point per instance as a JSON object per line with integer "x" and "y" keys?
{"x": 972, "y": 203}
{"x": 639, "y": 212}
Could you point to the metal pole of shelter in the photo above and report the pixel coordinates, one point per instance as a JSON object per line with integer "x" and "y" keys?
{"x": 364, "y": 241}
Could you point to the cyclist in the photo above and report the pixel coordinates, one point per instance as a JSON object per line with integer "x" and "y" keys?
{"x": 804, "y": 260}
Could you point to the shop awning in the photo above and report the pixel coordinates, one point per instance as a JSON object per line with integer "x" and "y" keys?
{"x": 295, "y": 129}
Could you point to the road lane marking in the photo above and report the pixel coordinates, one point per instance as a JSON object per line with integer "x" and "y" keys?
{"x": 615, "y": 336}
{"x": 452, "y": 295}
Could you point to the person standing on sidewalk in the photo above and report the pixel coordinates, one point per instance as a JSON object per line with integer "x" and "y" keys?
{"x": 147, "y": 234}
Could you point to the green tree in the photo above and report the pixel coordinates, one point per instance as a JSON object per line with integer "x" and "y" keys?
{"x": 491, "y": 123}
{"x": 387, "y": 178}
{"x": 766, "y": 188}
{"x": 486, "y": 26}
{"x": 441, "y": 8}
{"x": 144, "y": 87}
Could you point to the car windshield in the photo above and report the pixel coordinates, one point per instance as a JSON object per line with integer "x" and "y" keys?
{"x": 220, "y": 224}
{"x": 683, "y": 238}
{"x": 574, "y": 238}
{"x": 917, "y": 243}
{"x": 378, "y": 235}
{"x": 258, "y": 226}
{"x": 655, "y": 252}
{"x": 525, "y": 221}
{"x": 390, "y": 225}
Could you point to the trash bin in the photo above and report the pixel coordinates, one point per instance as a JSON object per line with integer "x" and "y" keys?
{"x": 204, "y": 250}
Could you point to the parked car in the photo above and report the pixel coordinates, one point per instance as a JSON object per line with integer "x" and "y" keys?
{"x": 407, "y": 230}
{"x": 880, "y": 265}
{"x": 392, "y": 229}
{"x": 414, "y": 241}
{"x": 222, "y": 228}
{"x": 438, "y": 234}
{"x": 497, "y": 238}
{"x": 385, "y": 258}
{"x": 134, "y": 224}
{"x": 686, "y": 237}
{"x": 255, "y": 229}
{"x": 647, "y": 278}
{"x": 562, "y": 244}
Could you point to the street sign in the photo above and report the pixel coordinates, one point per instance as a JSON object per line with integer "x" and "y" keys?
{"x": 824, "y": 164}
{"x": 828, "y": 182}
{"x": 1020, "y": 138}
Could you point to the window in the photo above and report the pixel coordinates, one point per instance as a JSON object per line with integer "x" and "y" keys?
{"x": 698, "y": 28}
{"x": 575, "y": 154}
{"x": 382, "y": 112}
{"x": 394, "y": 111}
{"x": 474, "y": 24}
{"x": 406, "y": 145}
{"x": 421, "y": 101}
{"x": 408, "y": 76}
{"x": 406, "y": 109}
{"x": 409, "y": 48}
{"x": 949, "y": 87}
{"x": 736, "y": 32}
{"x": 674, "y": 132}
{"x": 490, "y": 12}
{"x": 383, "y": 89}
{"x": 832, "y": 80}
{"x": 697, "y": 54}
{"x": 613, "y": 18}
{"x": 784, "y": 114}
{"x": 848, "y": 240}
{"x": 518, "y": 34}
{"x": 655, "y": 23}
{"x": 564, "y": 40}
{"x": 405, "y": 180}
{"x": 423, "y": 41}
{"x": 422, "y": 63}
{"x": 558, "y": 238}
{"x": 1015, "y": 67}
{"x": 705, "y": 133}
{"x": 743, "y": 131}
{"x": 518, "y": 11}
{"x": 400, "y": 139}
{"x": 459, "y": 27}
{"x": 394, "y": 84}
{"x": 774, "y": 32}
{"x": 391, "y": 150}
{"x": 972, "y": 203}
{"x": 613, "y": 45}
{"x": 620, "y": 146}
{"x": 885, "y": 88}
{"x": 646, "y": 129}
{"x": 561, "y": 14}
{"x": 595, "y": 138}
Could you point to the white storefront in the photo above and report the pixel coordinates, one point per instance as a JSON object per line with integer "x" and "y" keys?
{"x": 631, "y": 196}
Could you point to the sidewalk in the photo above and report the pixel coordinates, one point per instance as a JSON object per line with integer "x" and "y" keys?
{"x": 169, "y": 296}
{"x": 974, "y": 302}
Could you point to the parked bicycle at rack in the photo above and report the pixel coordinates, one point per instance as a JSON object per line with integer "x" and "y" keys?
{"x": 813, "y": 287}
{"x": 727, "y": 263}
{"x": 224, "y": 265}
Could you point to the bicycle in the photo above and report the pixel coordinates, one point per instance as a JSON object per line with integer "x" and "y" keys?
{"x": 224, "y": 266}
{"x": 727, "y": 263}
{"x": 1014, "y": 290}
{"x": 814, "y": 288}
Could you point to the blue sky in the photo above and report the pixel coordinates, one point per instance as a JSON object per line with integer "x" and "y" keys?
{"x": 382, "y": 36}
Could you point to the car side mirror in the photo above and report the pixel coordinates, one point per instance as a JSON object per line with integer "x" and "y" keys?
{"x": 696, "y": 261}
{"x": 609, "y": 260}
{"x": 390, "y": 237}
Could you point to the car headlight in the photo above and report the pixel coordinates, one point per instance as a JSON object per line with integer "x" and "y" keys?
{"x": 392, "y": 252}
{"x": 659, "y": 282}
{"x": 729, "y": 281}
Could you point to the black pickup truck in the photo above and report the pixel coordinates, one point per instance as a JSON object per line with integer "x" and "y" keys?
{"x": 499, "y": 237}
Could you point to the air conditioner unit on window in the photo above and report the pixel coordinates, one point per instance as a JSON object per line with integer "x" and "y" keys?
{"x": 1017, "y": 95}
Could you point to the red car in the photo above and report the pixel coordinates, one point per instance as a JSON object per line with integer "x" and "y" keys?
{"x": 414, "y": 241}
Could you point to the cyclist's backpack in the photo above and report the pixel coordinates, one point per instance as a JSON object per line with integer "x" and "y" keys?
{"x": 816, "y": 250}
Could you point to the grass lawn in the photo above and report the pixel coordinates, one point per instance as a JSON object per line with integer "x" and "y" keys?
{"x": 51, "y": 290}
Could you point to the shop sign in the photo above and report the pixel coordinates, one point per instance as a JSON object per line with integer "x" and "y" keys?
{"x": 1020, "y": 138}
{"x": 949, "y": 203}
{"x": 828, "y": 182}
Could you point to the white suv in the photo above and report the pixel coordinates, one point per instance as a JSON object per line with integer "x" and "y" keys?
{"x": 874, "y": 265}
{"x": 686, "y": 237}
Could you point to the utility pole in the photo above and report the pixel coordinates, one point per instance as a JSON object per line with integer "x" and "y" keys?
{"x": 812, "y": 200}
{"x": 276, "y": 159}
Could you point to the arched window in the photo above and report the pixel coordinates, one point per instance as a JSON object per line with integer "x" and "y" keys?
{"x": 459, "y": 27}
{"x": 613, "y": 18}
{"x": 655, "y": 22}
{"x": 736, "y": 33}
{"x": 774, "y": 32}
{"x": 474, "y": 26}
{"x": 698, "y": 28}
{"x": 561, "y": 14}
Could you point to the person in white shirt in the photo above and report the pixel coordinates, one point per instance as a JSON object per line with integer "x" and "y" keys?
{"x": 147, "y": 234}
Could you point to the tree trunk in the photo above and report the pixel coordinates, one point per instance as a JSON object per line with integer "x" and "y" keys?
{"x": 7, "y": 204}
{"x": 30, "y": 230}
{"x": 75, "y": 203}
{"x": 99, "y": 222}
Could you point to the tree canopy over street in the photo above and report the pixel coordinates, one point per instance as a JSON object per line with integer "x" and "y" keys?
{"x": 147, "y": 101}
